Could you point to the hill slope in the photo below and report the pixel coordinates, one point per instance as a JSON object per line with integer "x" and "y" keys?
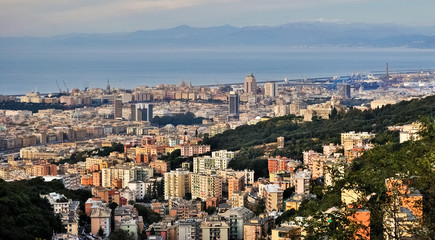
{"x": 312, "y": 135}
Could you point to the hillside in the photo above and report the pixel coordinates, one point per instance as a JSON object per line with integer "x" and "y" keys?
{"x": 410, "y": 161}
{"x": 312, "y": 135}
{"x": 25, "y": 215}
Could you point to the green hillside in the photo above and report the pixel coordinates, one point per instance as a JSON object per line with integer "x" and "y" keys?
{"x": 414, "y": 161}
{"x": 302, "y": 136}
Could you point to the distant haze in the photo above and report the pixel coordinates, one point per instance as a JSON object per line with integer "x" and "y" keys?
{"x": 303, "y": 34}
{"x": 54, "y": 17}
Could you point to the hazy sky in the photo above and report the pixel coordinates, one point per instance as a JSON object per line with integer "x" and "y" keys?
{"x": 52, "y": 17}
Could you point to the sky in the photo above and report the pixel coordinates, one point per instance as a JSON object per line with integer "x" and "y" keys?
{"x": 55, "y": 17}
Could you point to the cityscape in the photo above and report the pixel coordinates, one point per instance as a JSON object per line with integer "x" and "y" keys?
{"x": 347, "y": 156}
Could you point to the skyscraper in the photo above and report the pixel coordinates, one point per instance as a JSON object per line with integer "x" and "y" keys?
{"x": 133, "y": 112}
{"x": 117, "y": 107}
{"x": 142, "y": 112}
{"x": 344, "y": 90}
{"x": 233, "y": 101}
{"x": 250, "y": 84}
{"x": 271, "y": 89}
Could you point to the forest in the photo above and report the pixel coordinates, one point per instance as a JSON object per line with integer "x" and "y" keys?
{"x": 302, "y": 136}
{"x": 412, "y": 161}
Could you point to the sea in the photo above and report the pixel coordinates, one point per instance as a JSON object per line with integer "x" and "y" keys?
{"x": 48, "y": 70}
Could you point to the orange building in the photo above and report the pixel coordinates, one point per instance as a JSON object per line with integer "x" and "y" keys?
{"x": 145, "y": 158}
{"x": 280, "y": 164}
{"x": 44, "y": 170}
{"x": 411, "y": 200}
{"x": 116, "y": 183}
{"x": 211, "y": 202}
{"x": 235, "y": 184}
{"x": 150, "y": 150}
{"x": 96, "y": 179}
{"x": 362, "y": 218}
{"x": 95, "y": 168}
{"x": 87, "y": 180}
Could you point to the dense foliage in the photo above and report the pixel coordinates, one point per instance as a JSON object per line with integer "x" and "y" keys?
{"x": 184, "y": 119}
{"x": 410, "y": 160}
{"x": 323, "y": 131}
{"x": 25, "y": 215}
{"x": 301, "y": 136}
{"x": 149, "y": 216}
{"x": 81, "y": 156}
{"x": 250, "y": 158}
{"x": 34, "y": 107}
{"x": 175, "y": 159}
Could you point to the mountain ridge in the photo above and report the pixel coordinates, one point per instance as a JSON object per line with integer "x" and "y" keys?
{"x": 289, "y": 34}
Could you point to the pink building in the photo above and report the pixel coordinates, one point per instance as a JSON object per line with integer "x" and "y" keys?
{"x": 188, "y": 150}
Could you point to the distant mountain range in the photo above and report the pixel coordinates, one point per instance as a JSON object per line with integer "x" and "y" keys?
{"x": 291, "y": 34}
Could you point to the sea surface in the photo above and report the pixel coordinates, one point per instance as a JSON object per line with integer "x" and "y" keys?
{"x": 25, "y": 70}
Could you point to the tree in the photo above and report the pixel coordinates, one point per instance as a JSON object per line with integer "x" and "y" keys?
{"x": 120, "y": 235}
{"x": 148, "y": 215}
{"x": 101, "y": 232}
{"x": 112, "y": 206}
{"x": 211, "y": 210}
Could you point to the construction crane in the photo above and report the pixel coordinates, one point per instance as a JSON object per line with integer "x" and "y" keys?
{"x": 60, "y": 90}
{"x": 67, "y": 90}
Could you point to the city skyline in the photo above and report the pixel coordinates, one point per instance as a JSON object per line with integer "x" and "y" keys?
{"x": 27, "y": 18}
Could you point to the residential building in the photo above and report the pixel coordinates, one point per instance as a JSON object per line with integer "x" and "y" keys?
{"x": 189, "y": 229}
{"x": 177, "y": 183}
{"x": 201, "y": 164}
{"x": 236, "y": 217}
{"x": 215, "y": 229}
{"x": 189, "y": 150}
{"x": 286, "y": 233}
{"x": 274, "y": 198}
{"x": 205, "y": 186}
{"x": 254, "y": 229}
{"x": 271, "y": 89}
{"x": 100, "y": 218}
{"x": 302, "y": 179}
{"x": 235, "y": 184}
{"x": 279, "y": 163}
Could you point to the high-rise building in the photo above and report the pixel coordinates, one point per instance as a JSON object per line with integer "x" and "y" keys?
{"x": 274, "y": 195}
{"x": 344, "y": 90}
{"x": 142, "y": 112}
{"x": 302, "y": 182}
{"x": 250, "y": 84}
{"x": 234, "y": 100}
{"x": 133, "y": 112}
{"x": 201, "y": 164}
{"x": 117, "y": 108}
{"x": 177, "y": 183}
{"x": 100, "y": 218}
{"x": 271, "y": 89}
{"x": 206, "y": 186}
{"x": 235, "y": 184}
